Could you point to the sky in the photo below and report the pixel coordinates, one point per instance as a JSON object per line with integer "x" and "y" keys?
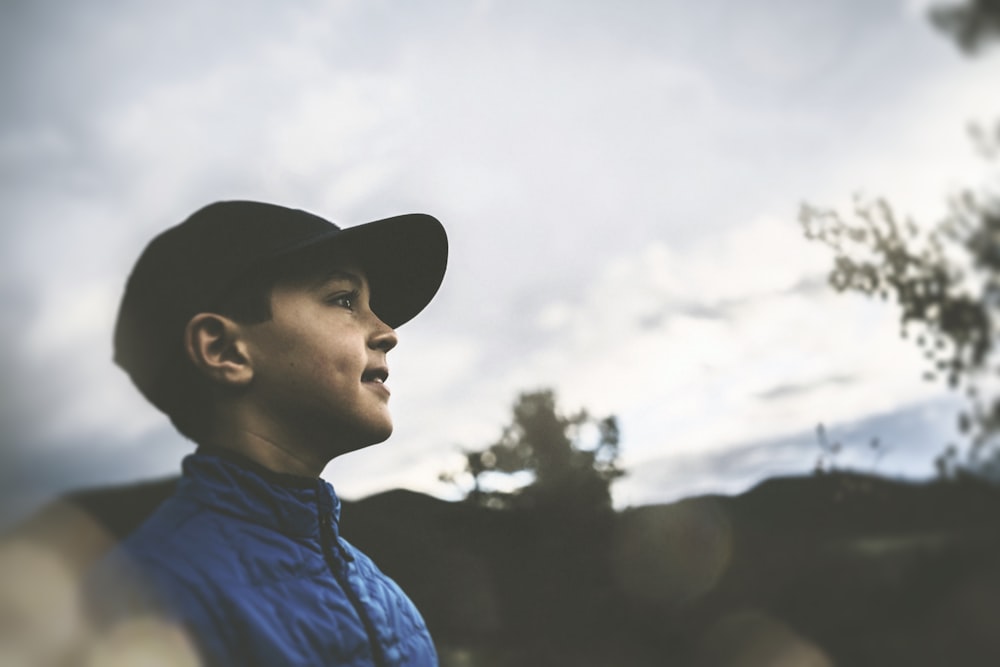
{"x": 620, "y": 183}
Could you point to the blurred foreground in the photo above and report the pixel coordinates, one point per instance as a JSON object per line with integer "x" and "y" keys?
{"x": 835, "y": 569}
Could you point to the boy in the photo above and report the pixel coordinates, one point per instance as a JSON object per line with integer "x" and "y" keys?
{"x": 262, "y": 332}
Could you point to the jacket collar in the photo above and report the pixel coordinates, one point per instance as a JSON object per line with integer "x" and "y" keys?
{"x": 235, "y": 485}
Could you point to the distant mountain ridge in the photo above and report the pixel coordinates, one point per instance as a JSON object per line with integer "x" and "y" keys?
{"x": 842, "y": 569}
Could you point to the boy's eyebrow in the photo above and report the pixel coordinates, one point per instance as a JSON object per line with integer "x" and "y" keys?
{"x": 338, "y": 274}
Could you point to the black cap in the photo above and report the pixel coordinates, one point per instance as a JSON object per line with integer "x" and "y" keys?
{"x": 189, "y": 268}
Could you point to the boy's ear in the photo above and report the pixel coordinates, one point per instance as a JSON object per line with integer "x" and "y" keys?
{"x": 215, "y": 346}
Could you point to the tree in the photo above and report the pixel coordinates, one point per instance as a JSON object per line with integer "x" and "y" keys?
{"x": 972, "y": 25}
{"x": 565, "y": 460}
{"x": 946, "y": 281}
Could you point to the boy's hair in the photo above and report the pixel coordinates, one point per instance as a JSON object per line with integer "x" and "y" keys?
{"x": 227, "y": 257}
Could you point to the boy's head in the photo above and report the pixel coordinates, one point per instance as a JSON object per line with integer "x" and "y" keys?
{"x": 246, "y": 294}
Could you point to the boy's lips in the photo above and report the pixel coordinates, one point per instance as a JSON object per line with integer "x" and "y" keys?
{"x": 376, "y": 377}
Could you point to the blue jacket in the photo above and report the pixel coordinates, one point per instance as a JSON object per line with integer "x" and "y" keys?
{"x": 251, "y": 562}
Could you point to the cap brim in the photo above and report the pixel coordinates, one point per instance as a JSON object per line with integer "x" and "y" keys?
{"x": 404, "y": 258}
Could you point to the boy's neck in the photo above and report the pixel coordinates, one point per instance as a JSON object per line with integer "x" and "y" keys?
{"x": 268, "y": 452}
{"x": 282, "y": 479}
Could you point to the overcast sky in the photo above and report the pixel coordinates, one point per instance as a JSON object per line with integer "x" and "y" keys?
{"x": 619, "y": 180}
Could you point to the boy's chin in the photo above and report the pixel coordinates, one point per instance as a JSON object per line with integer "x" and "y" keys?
{"x": 362, "y": 438}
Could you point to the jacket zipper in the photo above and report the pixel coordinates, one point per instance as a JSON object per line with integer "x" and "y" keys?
{"x": 338, "y": 560}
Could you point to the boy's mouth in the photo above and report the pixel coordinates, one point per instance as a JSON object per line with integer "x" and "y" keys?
{"x": 379, "y": 375}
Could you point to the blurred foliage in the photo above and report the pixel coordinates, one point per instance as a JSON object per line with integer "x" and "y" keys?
{"x": 972, "y": 24}
{"x": 568, "y": 460}
{"x": 830, "y": 450}
{"x": 945, "y": 278}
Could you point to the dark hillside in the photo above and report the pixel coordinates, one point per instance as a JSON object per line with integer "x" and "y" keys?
{"x": 859, "y": 569}
{"x": 835, "y": 569}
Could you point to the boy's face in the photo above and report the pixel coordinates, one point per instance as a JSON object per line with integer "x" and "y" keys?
{"x": 320, "y": 362}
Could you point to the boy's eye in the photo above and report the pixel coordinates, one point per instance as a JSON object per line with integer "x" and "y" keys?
{"x": 347, "y": 300}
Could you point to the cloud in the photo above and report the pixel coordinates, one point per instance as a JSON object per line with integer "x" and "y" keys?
{"x": 908, "y": 439}
{"x": 31, "y": 477}
{"x": 619, "y": 185}
{"x": 711, "y": 369}
{"x": 785, "y": 390}
{"x": 776, "y": 356}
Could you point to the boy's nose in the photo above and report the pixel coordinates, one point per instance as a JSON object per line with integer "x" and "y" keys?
{"x": 384, "y": 338}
